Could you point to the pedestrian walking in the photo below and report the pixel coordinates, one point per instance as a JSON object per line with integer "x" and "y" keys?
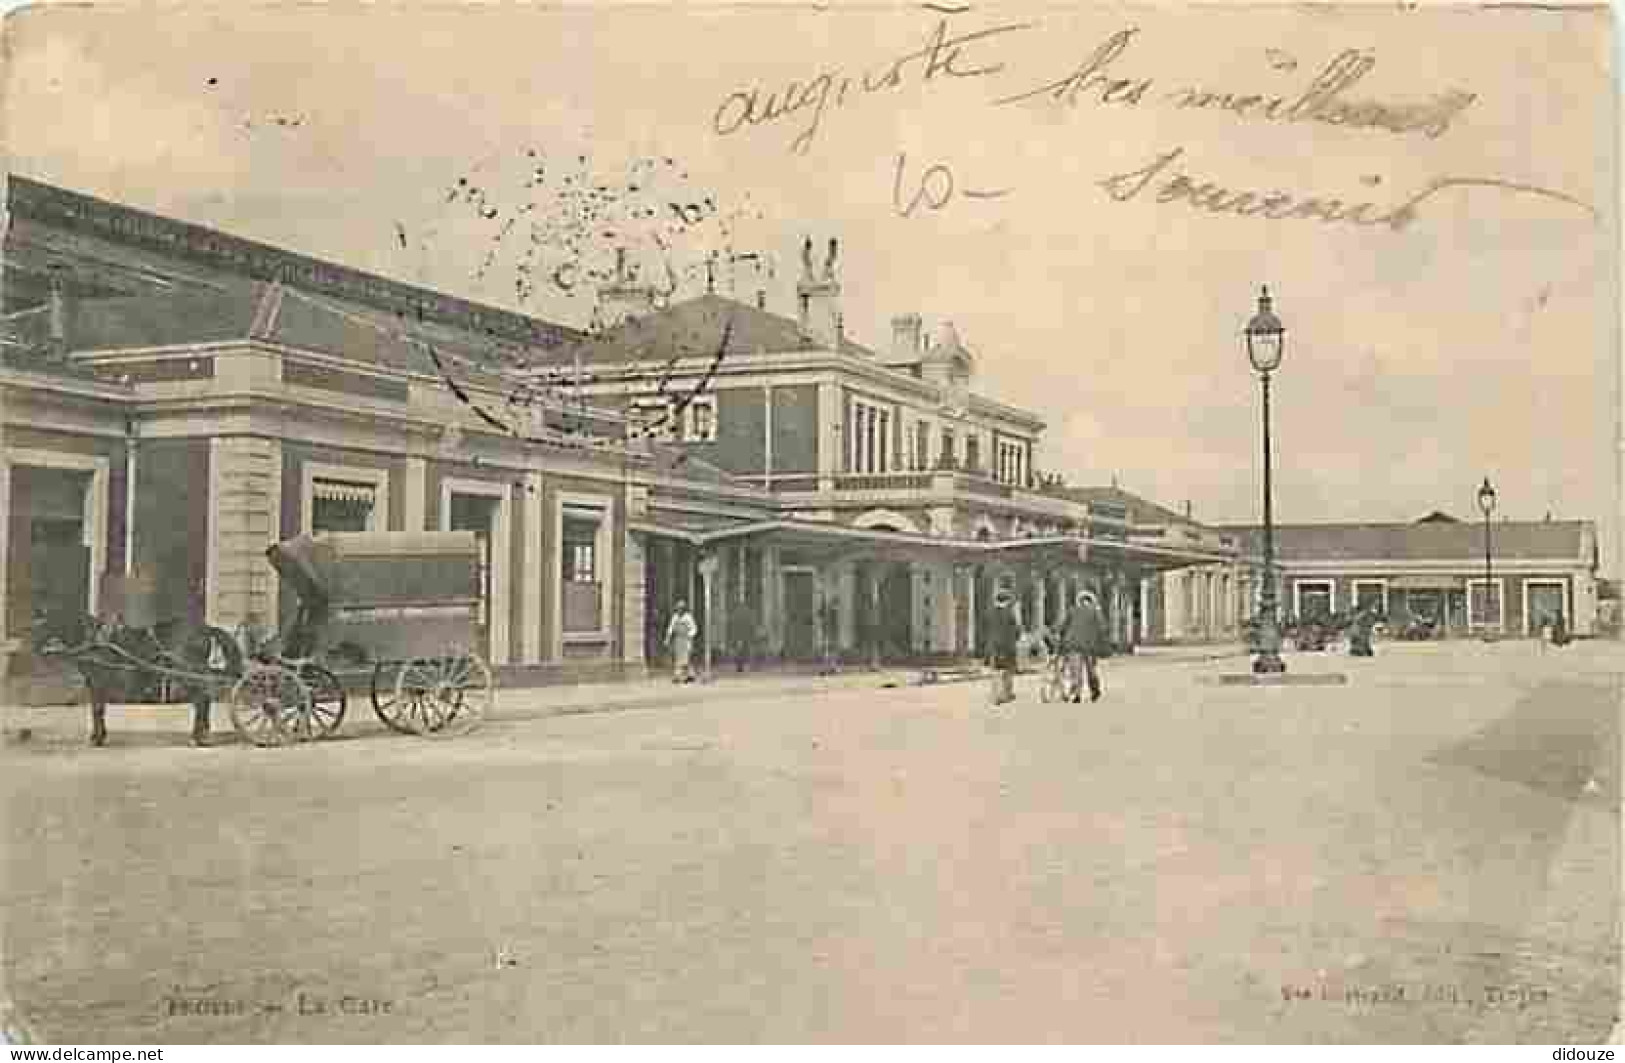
{"x": 1083, "y": 640}
{"x": 1360, "y": 634}
{"x": 743, "y": 635}
{"x": 680, "y": 635}
{"x": 1003, "y": 642}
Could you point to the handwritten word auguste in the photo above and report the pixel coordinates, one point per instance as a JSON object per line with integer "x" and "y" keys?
{"x": 940, "y": 57}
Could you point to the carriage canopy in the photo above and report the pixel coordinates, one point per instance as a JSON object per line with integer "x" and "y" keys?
{"x": 381, "y": 568}
{"x": 385, "y": 595}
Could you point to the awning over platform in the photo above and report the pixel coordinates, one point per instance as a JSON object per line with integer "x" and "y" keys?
{"x": 830, "y": 540}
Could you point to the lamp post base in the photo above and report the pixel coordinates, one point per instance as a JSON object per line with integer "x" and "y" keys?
{"x": 1268, "y": 662}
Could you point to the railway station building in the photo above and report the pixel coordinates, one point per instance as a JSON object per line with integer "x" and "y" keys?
{"x": 175, "y": 399}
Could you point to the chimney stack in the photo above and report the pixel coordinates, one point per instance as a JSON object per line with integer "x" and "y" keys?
{"x": 819, "y": 298}
{"x": 623, "y": 298}
{"x": 905, "y": 337}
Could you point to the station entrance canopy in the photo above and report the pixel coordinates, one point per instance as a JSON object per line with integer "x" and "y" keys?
{"x": 827, "y": 542}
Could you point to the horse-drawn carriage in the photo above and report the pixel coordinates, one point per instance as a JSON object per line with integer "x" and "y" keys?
{"x": 403, "y": 604}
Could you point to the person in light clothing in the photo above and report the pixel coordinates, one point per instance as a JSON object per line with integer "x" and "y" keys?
{"x": 680, "y": 634}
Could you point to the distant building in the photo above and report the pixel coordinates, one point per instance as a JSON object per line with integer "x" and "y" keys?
{"x": 1433, "y": 570}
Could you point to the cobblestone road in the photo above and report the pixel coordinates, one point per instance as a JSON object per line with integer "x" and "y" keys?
{"x": 1429, "y": 853}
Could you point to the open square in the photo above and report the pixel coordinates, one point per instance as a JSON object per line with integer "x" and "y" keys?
{"x": 1427, "y": 853}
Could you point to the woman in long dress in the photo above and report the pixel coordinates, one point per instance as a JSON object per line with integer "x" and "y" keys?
{"x": 680, "y": 634}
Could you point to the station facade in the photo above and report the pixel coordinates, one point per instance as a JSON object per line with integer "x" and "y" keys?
{"x": 177, "y": 398}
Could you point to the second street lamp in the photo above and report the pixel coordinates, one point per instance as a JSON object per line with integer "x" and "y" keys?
{"x": 1266, "y": 344}
{"x": 1486, "y": 503}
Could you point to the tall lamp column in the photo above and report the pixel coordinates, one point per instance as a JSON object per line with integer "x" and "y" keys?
{"x": 1486, "y": 503}
{"x": 1266, "y": 344}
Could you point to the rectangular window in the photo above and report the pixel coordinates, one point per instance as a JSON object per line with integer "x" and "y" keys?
{"x": 1370, "y": 596}
{"x": 922, "y": 445}
{"x": 1484, "y": 604}
{"x": 973, "y": 454}
{"x": 946, "y": 460}
{"x": 1010, "y": 463}
{"x": 873, "y": 430}
{"x": 700, "y": 420}
{"x": 583, "y": 591}
{"x": 341, "y": 506}
{"x": 1314, "y": 600}
{"x": 652, "y": 417}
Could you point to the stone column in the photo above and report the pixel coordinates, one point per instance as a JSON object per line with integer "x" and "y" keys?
{"x": 635, "y": 601}
{"x": 773, "y": 600}
{"x": 245, "y": 506}
{"x": 945, "y": 586}
{"x": 972, "y": 605}
{"x": 846, "y": 577}
{"x": 1040, "y": 593}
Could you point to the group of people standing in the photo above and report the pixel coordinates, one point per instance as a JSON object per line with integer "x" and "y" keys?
{"x": 1082, "y": 641}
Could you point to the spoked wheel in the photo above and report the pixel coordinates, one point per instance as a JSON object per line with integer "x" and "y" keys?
{"x": 384, "y": 697}
{"x": 271, "y": 705}
{"x": 443, "y": 696}
{"x": 327, "y": 700}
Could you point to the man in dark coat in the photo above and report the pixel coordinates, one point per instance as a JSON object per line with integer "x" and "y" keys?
{"x": 1360, "y": 634}
{"x": 1083, "y": 640}
{"x": 742, "y": 634}
{"x": 1003, "y": 639}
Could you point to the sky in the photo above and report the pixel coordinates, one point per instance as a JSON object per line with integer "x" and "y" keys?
{"x": 505, "y": 154}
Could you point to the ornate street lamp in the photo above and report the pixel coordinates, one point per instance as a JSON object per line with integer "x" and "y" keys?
{"x": 1266, "y": 343}
{"x": 1486, "y": 503}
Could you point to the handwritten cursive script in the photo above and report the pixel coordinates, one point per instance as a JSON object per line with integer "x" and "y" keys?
{"x": 1176, "y": 186}
{"x": 1323, "y": 100}
{"x": 942, "y": 56}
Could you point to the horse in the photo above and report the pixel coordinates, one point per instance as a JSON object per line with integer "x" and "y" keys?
{"x": 168, "y": 663}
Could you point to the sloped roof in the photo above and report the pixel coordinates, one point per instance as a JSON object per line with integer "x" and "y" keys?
{"x": 25, "y": 345}
{"x": 1525, "y": 540}
{"x": 695, "y": 328}
{"x": 274, "y": 313}
{"x": 154, "y": 247}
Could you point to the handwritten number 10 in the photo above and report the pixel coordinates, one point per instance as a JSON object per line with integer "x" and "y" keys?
{"x": 934, "y": 189}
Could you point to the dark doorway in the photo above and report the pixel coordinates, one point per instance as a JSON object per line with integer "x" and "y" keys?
{"x": 896, "y": 611}
{"x": 49, "y": 566}
{"x": 477, "y": 513}
{"x": 670, "y": 576}
{"x": 800, "y": 626}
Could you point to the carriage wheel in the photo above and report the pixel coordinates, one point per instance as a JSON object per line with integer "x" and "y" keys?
{"x": 267, "y": 703}
{"x": 384, "y": 700}
{"x": 443, "y": 696}
{"x": 327, "y": 700}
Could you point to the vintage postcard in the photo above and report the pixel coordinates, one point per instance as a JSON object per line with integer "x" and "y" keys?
{"x": 706, "y": 522}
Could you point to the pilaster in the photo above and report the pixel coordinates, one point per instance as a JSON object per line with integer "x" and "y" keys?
{"x": 245, "y": 491}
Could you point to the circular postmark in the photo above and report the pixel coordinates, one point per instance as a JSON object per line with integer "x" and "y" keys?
{"x": 583, "y": 252}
